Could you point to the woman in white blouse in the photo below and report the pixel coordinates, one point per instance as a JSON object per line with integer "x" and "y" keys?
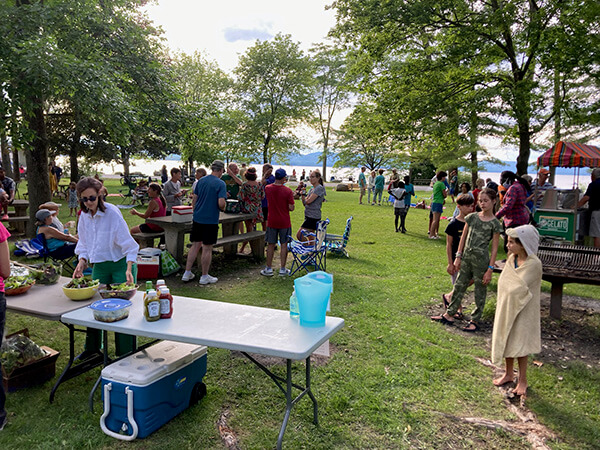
{"x": 105, "y": 243}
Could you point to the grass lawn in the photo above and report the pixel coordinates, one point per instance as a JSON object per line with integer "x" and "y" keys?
{"x": 394, "y": 380}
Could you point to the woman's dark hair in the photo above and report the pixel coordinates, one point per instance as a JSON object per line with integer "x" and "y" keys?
{"x": 317, "y": 174}
{"x": 250, "y": 174}
{"x": 467, "y": 185}
{"x": 157, "y": 187}
{"x": 87, "y": 183}
{"x": 512, "y": 177}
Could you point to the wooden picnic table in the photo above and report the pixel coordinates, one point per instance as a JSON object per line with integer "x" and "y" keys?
{"x": 175, "y": 232}
{"x": 20, "y": 219}
{"x": 20, "y": 206}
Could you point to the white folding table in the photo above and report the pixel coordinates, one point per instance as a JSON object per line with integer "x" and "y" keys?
{"x": 248, "y": 329}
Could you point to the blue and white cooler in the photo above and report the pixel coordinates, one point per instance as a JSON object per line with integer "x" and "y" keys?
{"x": 147, "y": 389}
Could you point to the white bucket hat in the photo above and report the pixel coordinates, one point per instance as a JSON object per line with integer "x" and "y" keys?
{"x": 529, "y": 237}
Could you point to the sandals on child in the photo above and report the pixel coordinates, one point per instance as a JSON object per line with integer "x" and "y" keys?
{"x": 469, "y": 329}
{"x": 442, "y": 319}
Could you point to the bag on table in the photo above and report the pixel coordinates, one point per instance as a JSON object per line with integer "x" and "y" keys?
{"x": 168, "y": 263}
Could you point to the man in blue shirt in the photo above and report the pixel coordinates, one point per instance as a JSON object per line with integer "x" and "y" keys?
{"x": 209, "y": 199}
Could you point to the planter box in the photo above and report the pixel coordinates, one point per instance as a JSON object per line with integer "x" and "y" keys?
{"x": 32, "y": 374}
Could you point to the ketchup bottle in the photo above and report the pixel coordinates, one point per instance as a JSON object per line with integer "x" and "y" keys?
{"x": 166, "y": 303}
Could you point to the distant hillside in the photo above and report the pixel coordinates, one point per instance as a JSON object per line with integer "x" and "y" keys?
{"x": 512, "y": 165}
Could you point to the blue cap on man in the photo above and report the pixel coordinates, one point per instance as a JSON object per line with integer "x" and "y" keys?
{"x": 280, "y": 174}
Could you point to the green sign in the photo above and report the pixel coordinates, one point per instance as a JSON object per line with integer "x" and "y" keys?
{"x": 556, "y": 223}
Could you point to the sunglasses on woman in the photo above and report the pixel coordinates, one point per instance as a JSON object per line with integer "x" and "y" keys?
{"x": 91, "y": 198}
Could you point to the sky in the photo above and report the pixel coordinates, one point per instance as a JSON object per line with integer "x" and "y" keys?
{"x": 223, "y": 30}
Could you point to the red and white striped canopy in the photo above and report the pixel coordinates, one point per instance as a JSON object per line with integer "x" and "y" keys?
{"x": 570, "y": 154}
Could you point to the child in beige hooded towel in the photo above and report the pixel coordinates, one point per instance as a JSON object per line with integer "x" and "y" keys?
{"x": 517, "y": 331}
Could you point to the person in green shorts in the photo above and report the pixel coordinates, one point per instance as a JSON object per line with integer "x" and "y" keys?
{"x": 437, "y": 205}
{"x": 105, "y": 243}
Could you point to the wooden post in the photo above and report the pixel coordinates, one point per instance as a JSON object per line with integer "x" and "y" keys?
{"x": 556, "y": 294}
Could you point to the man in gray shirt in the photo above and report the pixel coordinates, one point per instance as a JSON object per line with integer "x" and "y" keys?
{"x": 172, "y": 190}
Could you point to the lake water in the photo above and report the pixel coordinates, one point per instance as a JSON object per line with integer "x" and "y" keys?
{"x": 148, "y": 167}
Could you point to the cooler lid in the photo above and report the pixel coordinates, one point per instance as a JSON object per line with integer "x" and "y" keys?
{"x": 149, "y": 251}
{"x": 183, "y": 209}
{"x": 153, "y": 363}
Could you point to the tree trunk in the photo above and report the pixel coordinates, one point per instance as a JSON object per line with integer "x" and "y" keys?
{"x": 16, "y": 165}
{"x": 37, "y": 164}
{"x": 73, "y": 152}
{"x": 6, "y": 156}
{"x": 522, "y": 113}
{"x": 524, "y": 148}
{"x": 125, "y": 159}
{"x": 325, "y": 153}
{"x": 557, "y": 117}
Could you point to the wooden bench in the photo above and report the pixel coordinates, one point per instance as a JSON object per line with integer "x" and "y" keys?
{"x": 19, "y": 223}
{"x": 147, "y": 239}
{"x": 230, "y": 243}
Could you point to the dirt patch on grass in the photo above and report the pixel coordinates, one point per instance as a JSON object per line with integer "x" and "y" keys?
{"x": 576, "y": 337}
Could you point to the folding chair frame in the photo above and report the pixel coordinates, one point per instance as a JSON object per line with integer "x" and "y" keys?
{"x": 67, "y": 262}
{"x": 314, "y": 255}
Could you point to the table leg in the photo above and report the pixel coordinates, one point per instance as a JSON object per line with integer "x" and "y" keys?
{"x": 287, "y": 391}
{"x": 556, "y": 294}
{"x": 87, "y": 362}
{"x": 174, "y": 242}
{"x": 229, "y": 229}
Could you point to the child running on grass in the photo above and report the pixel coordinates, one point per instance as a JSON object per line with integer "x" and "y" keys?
{"x": 454, "y": 232}
{"x": 473, "y": 260}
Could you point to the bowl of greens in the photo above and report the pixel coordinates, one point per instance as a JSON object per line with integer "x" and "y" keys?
{"x": 46, "y": 273}
{"x": 82, "y": 288}
{"x": 123, "y": 290}
{"x": 15, "y": 285}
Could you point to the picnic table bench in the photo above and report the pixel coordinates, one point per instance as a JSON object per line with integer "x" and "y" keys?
{"x": 566, "y": 263}
{"x": 19, "y": 218}
{"x": 175, "y": 233}
{"x": 147, "y": 239}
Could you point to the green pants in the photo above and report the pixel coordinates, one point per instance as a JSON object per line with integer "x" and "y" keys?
{"x": 113, "y": 273}
{"x": 473, "y": 266}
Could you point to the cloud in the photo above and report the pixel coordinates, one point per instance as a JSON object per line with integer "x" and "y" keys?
{"x": 232, "y": 34}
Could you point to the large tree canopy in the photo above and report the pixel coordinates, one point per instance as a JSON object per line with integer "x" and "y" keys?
{"x": 504, "y": 52}
{"x": 95, "y": 68}
{"x": 274, "y": 83}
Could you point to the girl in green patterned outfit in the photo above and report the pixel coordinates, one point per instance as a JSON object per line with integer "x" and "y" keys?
{"x": 473, "y": 260}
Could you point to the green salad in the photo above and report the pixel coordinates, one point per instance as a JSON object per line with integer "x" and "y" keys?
{"x": 83, "y": 282}
{"x": 121, "y": 287}
{"x": 18, "y": 281}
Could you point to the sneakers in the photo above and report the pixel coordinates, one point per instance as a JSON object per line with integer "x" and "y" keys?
{"x": 267, "y": 272}
{"x": 284, "y": 272}
{"x": 4, "y": 217}
{"x": 188, "y": 276}
{"x": 207, "y": 279}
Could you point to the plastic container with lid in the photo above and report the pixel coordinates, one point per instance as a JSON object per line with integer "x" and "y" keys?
{"x": 166, "y": 303}
{"x": 152, "y": 306}
{"x": 111, "y": 310}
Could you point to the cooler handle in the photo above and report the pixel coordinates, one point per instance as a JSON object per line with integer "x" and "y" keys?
{"x": 123, "y": 437}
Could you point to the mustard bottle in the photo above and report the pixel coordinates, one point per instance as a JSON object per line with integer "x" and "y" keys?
{"x": 152, "y": 306}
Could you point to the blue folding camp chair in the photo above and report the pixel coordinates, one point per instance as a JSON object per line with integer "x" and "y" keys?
{"x": 311, "y": 253}
{"x": 336, "y": 244}
{"x": 64, "y": 255}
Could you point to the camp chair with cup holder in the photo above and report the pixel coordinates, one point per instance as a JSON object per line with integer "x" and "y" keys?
{"x": 311, "y": 253}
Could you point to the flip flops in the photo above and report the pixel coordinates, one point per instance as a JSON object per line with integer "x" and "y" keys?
{"x": 445, "y": 300}
{"x": 469, "y": 329}
{"x": 442, "y": 319}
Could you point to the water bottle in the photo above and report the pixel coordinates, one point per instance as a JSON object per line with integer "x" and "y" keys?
{"x": 294, "y": 312}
